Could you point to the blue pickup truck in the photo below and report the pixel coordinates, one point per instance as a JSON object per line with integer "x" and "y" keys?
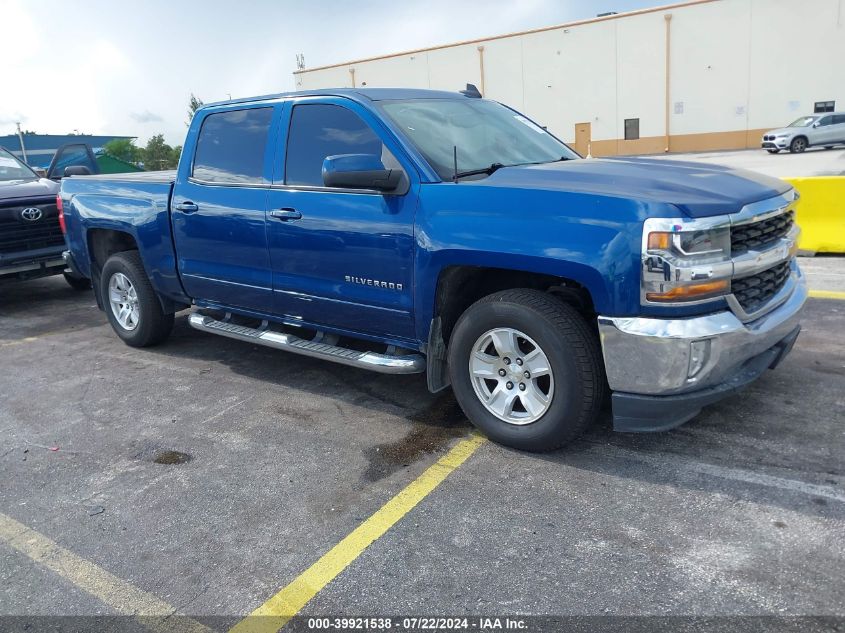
{"x": 408, "y": 231}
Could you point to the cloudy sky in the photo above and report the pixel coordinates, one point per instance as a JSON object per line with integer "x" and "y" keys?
{"x": 121, "y": 67}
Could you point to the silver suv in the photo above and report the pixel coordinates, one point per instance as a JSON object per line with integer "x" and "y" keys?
{"x": 818, "y": 129}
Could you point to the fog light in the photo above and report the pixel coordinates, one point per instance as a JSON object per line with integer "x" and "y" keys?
{"x": 699, "y": 353}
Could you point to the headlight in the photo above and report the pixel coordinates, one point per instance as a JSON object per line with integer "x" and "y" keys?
{"x": 700, "y": 245}
{"x": 682, "y": 263}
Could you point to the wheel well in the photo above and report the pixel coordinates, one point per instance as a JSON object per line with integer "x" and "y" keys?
{"x": 102, "y": 244}
{"x": 460, "y": 286}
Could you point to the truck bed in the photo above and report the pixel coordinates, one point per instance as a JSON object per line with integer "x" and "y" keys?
{"x": 159, "y": 177}
{"x": 137, "y": 205}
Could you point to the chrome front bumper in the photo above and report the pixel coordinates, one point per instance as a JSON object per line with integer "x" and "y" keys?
{"x": 653, "y": 356}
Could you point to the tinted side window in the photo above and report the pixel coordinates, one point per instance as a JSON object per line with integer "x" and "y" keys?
{"x": 825, "y": 120}
{"x": 319, "y": 130}
{"x": 231, "y": 146}
{"x": 838, "y": 119}
{"x": 75, "y": 155}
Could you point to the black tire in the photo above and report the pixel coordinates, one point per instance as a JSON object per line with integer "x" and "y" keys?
{"x": 77, "y": 283}
{"x": 798, "y": 145}
{"x": 153, "y": 326}
{"x": 571, "y": 347}
{"x": 773, "y": 151}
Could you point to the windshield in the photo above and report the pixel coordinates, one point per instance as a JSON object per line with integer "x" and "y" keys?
{"x": 484, "y": 133}
{"x": 804, "y": 121}
{"x": 13, "y": 169}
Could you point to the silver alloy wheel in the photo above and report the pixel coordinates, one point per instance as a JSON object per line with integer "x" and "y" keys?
{"x": 800, "y": 144}
{"x": 124, "y": 301}
{"x": 511, "y": 376}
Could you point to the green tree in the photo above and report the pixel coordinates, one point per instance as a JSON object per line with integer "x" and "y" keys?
{"x": 175, "y": 153}
{"x": 124, "y": 149}
{"x": 158, "y": 154}
{"x": 194, "y": 104}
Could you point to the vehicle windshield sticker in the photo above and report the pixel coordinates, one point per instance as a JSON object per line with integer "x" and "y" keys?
{"x": 525, "y": 121}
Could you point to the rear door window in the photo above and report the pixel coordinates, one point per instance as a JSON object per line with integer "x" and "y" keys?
{"x": 232, "y": 145}
{"x": 318, "y": 130}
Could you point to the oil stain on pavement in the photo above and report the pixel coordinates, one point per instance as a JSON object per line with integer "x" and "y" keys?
{"x": 434, "y": 427}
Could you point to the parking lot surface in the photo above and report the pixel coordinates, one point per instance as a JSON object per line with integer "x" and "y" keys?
{"x": 816, "y": 161}
{"x": 208, "y": 474}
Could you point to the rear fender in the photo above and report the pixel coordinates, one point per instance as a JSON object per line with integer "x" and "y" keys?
{"x": 146, "y": 222}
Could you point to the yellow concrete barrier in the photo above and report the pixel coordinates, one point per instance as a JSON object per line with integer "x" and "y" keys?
{"x": 821, "y": 213}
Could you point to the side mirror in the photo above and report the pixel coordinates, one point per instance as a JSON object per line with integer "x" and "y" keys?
{"x": 359, "y": 171}
{"x": 816, "y": 124}
{"x": 77, "y": 170}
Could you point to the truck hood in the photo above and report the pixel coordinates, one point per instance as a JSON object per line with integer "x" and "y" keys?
{"x": 696, "y": 189}
{"x": 10, "y": 189}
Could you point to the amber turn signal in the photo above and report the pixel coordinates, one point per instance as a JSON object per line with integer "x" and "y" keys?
{"x": 659, "y": 241}
{"x": 691, "y": 292}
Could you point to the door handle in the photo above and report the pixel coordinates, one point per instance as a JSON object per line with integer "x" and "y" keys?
{"x": 285, "y": 214}
{"x": 187, "y": 207}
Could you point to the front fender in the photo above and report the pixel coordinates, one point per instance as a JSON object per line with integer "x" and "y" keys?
{"x": 594, "y": 241}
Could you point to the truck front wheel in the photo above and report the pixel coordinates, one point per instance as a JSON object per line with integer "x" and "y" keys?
{"x": 131, "y": 304}
{"x": 526, "y": 369}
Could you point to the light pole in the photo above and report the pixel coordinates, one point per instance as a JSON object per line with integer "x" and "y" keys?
{"x": 23, "y": 147}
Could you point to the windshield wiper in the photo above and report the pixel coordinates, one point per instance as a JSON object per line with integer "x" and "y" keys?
{"x": 546, "y": 162}
{"x": 476, "y": 172}
{"x": 495, "y": 166}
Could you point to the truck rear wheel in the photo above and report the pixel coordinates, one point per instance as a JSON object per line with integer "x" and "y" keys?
{"x": 131, "y": 304}
{"x": 526, "y": 369}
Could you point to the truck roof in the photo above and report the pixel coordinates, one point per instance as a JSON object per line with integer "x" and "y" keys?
{"x": 357, "y": 94}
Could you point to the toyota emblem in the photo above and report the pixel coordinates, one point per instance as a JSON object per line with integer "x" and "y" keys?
{"x": 32, "y": 214}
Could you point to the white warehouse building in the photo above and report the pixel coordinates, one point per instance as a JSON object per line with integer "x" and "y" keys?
{"x": 692, "y": 76}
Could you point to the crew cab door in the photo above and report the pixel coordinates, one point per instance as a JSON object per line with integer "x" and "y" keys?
{"x": 218, "y": 207}
{"x": 341, "y": 258}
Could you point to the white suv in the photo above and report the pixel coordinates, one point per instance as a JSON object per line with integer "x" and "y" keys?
{"x": 818, "y": 129}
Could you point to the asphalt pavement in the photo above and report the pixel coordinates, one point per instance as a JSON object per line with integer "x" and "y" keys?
{"x": 207, "y": 474}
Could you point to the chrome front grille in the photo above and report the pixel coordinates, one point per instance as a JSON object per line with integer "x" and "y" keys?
{"x": 757, "y": 235}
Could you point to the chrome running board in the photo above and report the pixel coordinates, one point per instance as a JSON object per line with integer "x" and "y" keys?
{"x": 317, "y": 348}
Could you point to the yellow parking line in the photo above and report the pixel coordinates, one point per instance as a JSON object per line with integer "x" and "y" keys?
{"x": 37, "y": 337}
{"x": 126, "y": 599}
{"x": 827, "y": 294}
{"x": 19, "y": 341}
{"x": 275, "y": 613}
